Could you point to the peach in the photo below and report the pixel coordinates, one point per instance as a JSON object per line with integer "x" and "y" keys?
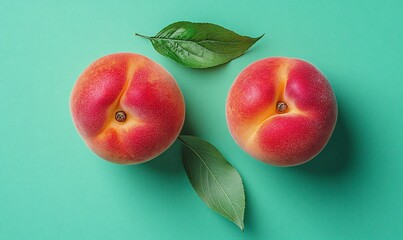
{"x": 281, "y": 111}
{"x": 127, "y": 108}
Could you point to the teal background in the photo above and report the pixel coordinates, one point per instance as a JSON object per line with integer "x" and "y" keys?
{"x": 53, "y": 187}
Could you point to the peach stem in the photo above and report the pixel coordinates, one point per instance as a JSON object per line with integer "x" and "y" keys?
{"x": 120, "y": 116}
{"x": 281, "y": 107}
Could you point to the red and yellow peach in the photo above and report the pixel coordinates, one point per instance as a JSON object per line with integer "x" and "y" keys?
{"x": 281, "y": 111}
{"x": 127, "y": 108}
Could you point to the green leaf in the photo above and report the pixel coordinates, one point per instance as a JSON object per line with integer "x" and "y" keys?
{"x": 200, "y": 45}
{"x": 216, "y": 182}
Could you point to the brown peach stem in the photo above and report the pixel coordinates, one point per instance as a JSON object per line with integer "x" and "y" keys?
{"x": 120, "y": 116}
{"x": 281, "y": 107}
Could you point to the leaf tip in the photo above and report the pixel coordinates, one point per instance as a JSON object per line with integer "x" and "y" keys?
{"x": 242, "y": 227}
{"x": 258, "y": 38}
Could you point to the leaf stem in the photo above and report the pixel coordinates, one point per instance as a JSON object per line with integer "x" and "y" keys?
{"x": 180, "y": 139}
{"x": 141, "y": 35}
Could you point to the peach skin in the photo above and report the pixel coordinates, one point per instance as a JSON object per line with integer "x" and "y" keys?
{"x": 281, "y": 111}
{"x": 127, "y": 108}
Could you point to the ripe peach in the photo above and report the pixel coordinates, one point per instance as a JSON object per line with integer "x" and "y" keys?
{"x": 127, "y": 108}
{"x": 281, "y": 111}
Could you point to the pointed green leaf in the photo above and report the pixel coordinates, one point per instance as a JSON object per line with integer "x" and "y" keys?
{"x": 200, "y": 45}
{"x": 216, "y": 182}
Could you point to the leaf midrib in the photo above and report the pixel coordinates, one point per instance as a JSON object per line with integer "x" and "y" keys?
{"x": 194, "y": 151}
{"x": 202, "y": 41}
{"x": 237, "y": 53}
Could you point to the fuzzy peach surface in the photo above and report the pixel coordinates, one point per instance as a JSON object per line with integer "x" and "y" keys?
{"x": 144, "y": 90}
{"x": 284, "y": 138}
